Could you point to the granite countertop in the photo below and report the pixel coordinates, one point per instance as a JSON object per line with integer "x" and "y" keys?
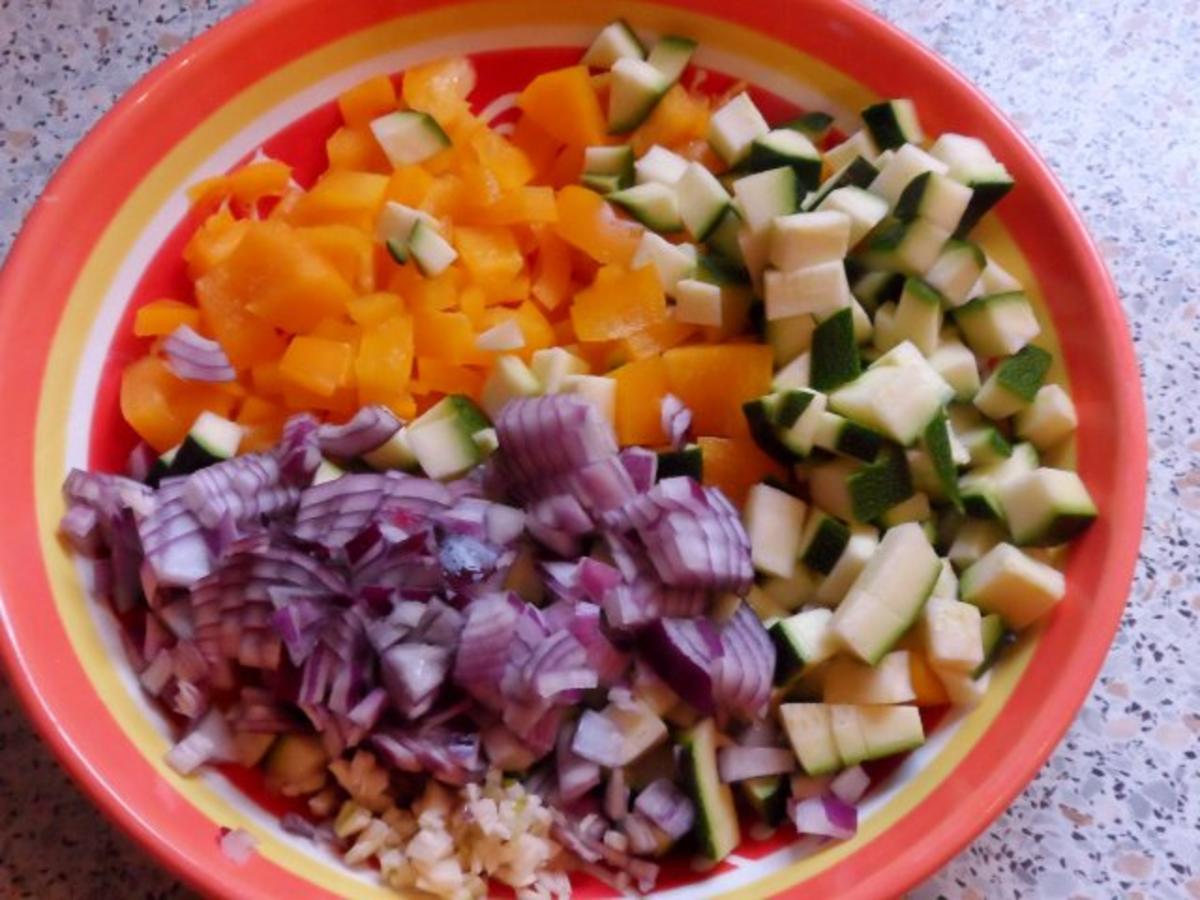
{"x": 1107, "y": 92}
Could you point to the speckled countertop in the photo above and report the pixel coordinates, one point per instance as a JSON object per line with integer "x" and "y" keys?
{"x": 1106, "y": 89}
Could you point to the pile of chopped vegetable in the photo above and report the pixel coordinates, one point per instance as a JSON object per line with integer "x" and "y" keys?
{"x": 666, "y": 460}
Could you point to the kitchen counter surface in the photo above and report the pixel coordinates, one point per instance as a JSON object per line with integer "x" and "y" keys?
{"x": 1106, "y": 90}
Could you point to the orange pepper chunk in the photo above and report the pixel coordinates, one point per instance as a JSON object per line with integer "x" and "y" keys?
{"x": 438, "y": 292}
{"x": 587, "y": 222}
{"x": 164, "y": 316}
{"x": 245, "y": 337}
{"x": 252, "y": 182}
{"x": 491, "y": 256}
{"x": 654, "y": 339}
{"x": 343, "y": 198}
{"x": 472, "y": 303}
{"x": 283, "y": 280}
{"x": 506, "y": 161}
{"x": 263, "y": 421}
{"x": 618, "y": 303}
{"x": 352, "y": 252}
{"x": 367, "y": 100}
{"x": 340, "y": 405}
{"x": 316, "y": 364}
{"x": 447, "y": 378}
{"x": 356, "y": 149}
{"x": 735, "y": 465}
{"x": 641, "y": 387}
{"x": 536, "y": 328}
{"x": 447, "y": 336}
{"x": 565, "y": 105}
{"x": 161, "y": 407}
{"x": 539, "y": 146}
{"x": 531, "y": 205}
{"x": 567, "y": 167}
{"x": 338, "y": 330}
{"x": 679, "y": 117}
{"x": 552, "y": 269}
{"x": 440, "y": 88}
{"x": 403, "y": 405}
{"x": 383, "y": 367}
{"x": 371, "y": 309}
{"x": 266, "y": 380}
{"x": 213, "y": 241}
{"x": 409, "y": 185}
{"x": 714, "y": 382}
{"x": 447, "y": 198}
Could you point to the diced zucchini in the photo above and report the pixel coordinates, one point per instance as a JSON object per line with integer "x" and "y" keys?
{"x": 442, "y": 439}
{"x": 794, "y": 375}
{"x": 767, "y": 796}
{"x": 980, "y": 488}
{"x": 1048, "y": 419}
{"x": 854, "y": 172}
{"x": 801, "y": 240}
{"x": 810, "y": 733}
{"x": 764, "y": 195}
{"x": 599, "y": 389}
{"x": 394, "y": 453}
{"x": 716, "y": 826}
{"x": 552, "y": 364}
{"x": 725, "y": 307}
{"x": 909, "y": 162}
{"x": 847, "y": 734}
{"x": 863, "y": 543}
{"x": 1014, "y": 383}
{"x": 887, "y": 596}
{"x": 974, "y": 539}
{"x": 839, "y": 435}
{"x": 956, "y": 270}
{"x": 429, "y": 250}
{"x": 774, "y": 522}
{"x": 960, "y": 152}
{"x": 760, "y": 418}
{"x": 908, "y": 247}
{"x": 735, "y": 127}
{"x": 898, "y": 401}
{"x": 935, "y": 197}
{"x": 616, "y": 40}
{"x": 672, "y": 262}
{"x": 847, "y": 680}
{"x": 724, "y": 240}
{"x": 608, "y": 169}
{"x": 888, "y": 730}
{"x": 952, "y": 634}
{"x": 986, "y": 446}
{"x": 915, "y": 509}
{"x": 409, "y": 137}
{"x": 957, "y": 366}
{"x": 327, "y": 471}
{"x": 790, "y": 593}
{"x": 873, "y": 289}
{"x": 998, "y": 324}
{"x": 819, "y": 290}
{"x": 509, "y": 379}
{"x": 936, "y": 441}
{"x": 658, "y": 164}
{"x": 918, "y": 316}
{"x": 654, "y": 205}
{"x": 787, "y": 147}
{"x": 1014, "y": 585}
{"x": 1046, "y": 507}
{"x": 797, "y": 418}
{"x": 395, "y": 224}
{"x": 947, "y": 583}
{"x": 994, "y": 637}
{"x": 634, "y": 91}
{"x": 671, "y": 56}
{"x": 996, "y": 279}
{"x": 893, "y": 123}
{"x": 858, "y": 145}
{"x": 702, "y": 201}
{"x": 989, "y": 185}
{"x": 863, "y": 208}
{"x": 802, "y": 641}
{"x": 814, "y": 125}
{"x": 876, "y": 488}
{"x": 835, "y": 352}
{"x": 823, "y": 542}
{"x": 789, "y": 337}
{"x": 211, "y": 439}
{"x": 684, "y": 461}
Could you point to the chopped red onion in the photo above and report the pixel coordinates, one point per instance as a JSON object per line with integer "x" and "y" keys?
{"x": 642, "y": 466}
{"x": 576, "y": 775}
{"x": 369, "y": 429}
{"x": 850, "y": 785}
{"x": 824, "y": 816}
{"x": 684, "y": 653}
{"x": 744, "y": 672}
{"x": 667, "y": 808}
{"x": 196, "y": 358}
{"x": 676, "y": 420}
{"x": 238, "y": 844}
